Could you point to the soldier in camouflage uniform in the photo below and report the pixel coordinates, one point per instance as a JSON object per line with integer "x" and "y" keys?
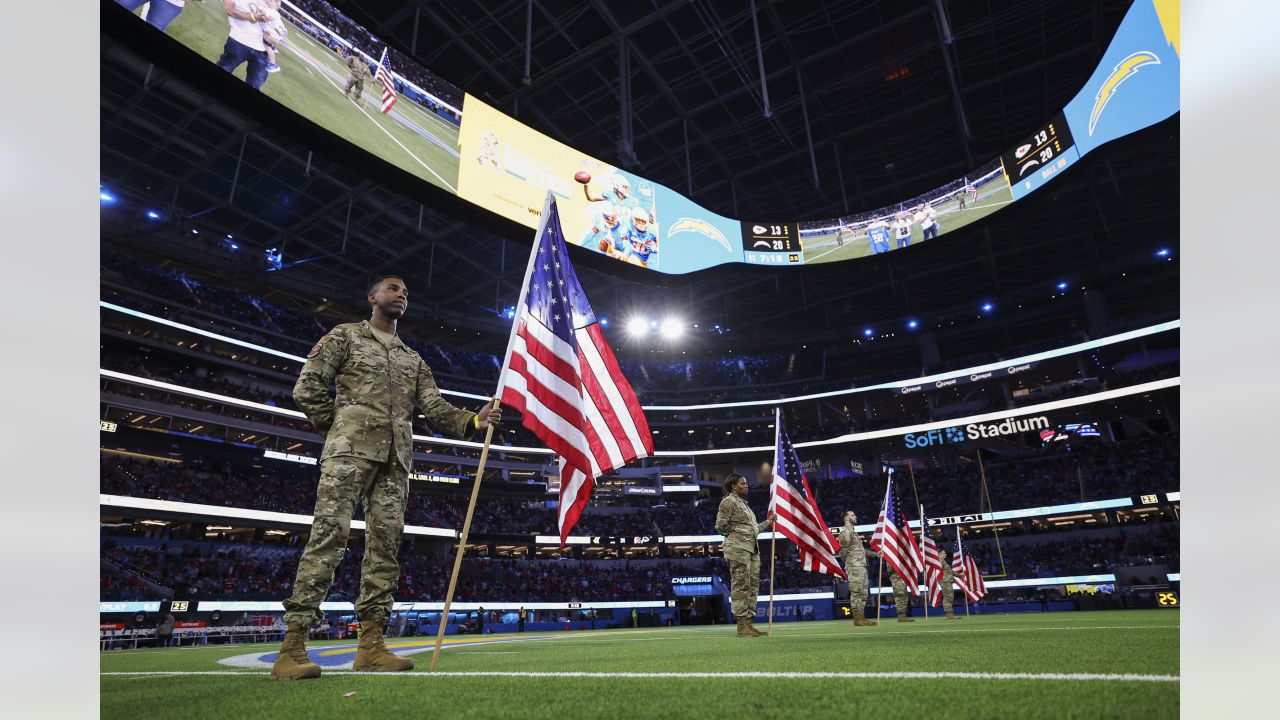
{"x": 854, "y": 556}
{"x": 948, "y": 586}
{"x": 359, "y": 73}
{"x": 737, "y": 523}
{"x": 900, "y": 600}
{"x": 367, "y": 456}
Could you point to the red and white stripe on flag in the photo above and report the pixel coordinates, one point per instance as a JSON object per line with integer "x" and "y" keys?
{"x": 968, "y": 577}
{"x": 896, "y": 544}
{"x": 932, "y": 567}
{"x": 388, "y": 89}
{"x": 561, "y": 375}
{"x": 800, "y": 522}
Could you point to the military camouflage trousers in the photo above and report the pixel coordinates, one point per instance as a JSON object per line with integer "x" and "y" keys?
{"x": 382, "y": 488}
{"x": 744, "y": 587}
{"x": 899, "y": 594}
{"x": 859, "y": 587}
{"x": 357, "y": 83}
{"x": 948, "y": 597}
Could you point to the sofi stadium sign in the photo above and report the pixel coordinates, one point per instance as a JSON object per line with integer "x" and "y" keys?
{"x": 974, "y": 431}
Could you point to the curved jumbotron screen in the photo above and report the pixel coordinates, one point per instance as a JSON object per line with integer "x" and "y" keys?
{"x": 341, "y": 77}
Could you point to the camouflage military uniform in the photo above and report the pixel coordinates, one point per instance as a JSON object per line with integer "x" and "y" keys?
{"x": 855, "y": 567}
{"x": 737, "y": 523}
{"x": 948, "y": 587}
{"x": 359, "y": 73}
{"x": 899, "y": 593}
{"x": 368, "y": 452}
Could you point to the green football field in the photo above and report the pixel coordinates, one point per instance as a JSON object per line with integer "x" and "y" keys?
{"x": 823, "y": 248}
{"x": 311, "y": 81}
{"x": 1083, "y": 664}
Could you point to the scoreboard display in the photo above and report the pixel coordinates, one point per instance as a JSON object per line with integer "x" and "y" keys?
{"x": 772, "y": 244}
{"x": 1167, "y": 599}
{"x": 1048, "y": 151}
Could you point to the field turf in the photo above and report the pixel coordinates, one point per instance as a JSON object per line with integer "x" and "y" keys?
{"x": 1086, "y": 664}
{"x": 992, "y": 197}
{"x": 311, "y": 82}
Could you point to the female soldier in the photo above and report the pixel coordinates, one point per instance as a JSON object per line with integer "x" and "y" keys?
{"x": 737, "y": 523}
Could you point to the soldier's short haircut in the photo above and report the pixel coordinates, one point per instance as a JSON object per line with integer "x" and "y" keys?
{"x": 730, "y": 480}
{"x": 377, "y": 282}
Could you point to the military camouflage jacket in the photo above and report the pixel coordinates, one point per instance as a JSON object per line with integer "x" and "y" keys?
{"x": 737, "y": 523}
{"x": 851, "y": 549}
{"x": 377, "y": 388}
{"x": 359, "y": 70}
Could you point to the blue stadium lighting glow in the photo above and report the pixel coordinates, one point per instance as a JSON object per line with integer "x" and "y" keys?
{"x": 868, "y": 332}
{"x": 604, "y": 322}
{"x": 1162, "y": 252}
{"x": 106, "y": 197}
{"x": 195, "y": 231}
{"x": 653, "y": 324}
{"x": 1062, "y": 286}
{"x": 988, "y": 307}
{"x": 153, "y": 214}
{"x": 912, "y": 324}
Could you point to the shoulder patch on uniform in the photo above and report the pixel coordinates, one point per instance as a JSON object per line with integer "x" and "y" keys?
{"x": 319, "y": 346}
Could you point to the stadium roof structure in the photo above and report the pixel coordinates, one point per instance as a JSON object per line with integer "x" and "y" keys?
{"x": 868, "y": 104}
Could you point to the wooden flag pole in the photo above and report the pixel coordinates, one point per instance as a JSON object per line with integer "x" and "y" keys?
{"x": 926, "y": 576}
{"x": 773, "y": 561}
{"x": 462, "y": 542}
{"x": 879, "y": 579}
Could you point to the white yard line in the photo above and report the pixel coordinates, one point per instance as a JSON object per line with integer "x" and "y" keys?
{"x": 1056, "y": 677}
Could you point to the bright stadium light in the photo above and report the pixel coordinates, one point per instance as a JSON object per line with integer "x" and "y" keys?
{"x": 988, "y": 307}
{"x": 672, "y": 328}
{"x": 106, "y": 197}
{"x": 1062, "y": 285}
{"x": 1162, "y": 252}
{"x": 153, "y": 214}
{"x": 637, "y": 326}
{"x": 868, "y": 332}
{"x": 912, "y": 324}
{"x": 604, "y": 322}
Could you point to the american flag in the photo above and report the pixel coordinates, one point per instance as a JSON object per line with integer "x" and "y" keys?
{"x": 968, "y": 577}
{"x": 388, "y": 88}
{"x": 798, "y": 517}
{"x": 561, "y": 375}
{"x": 894, "y": 541}
{"x": 932, "y": 564}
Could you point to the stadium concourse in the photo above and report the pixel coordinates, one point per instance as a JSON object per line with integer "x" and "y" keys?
{"x": 932, "y": 325}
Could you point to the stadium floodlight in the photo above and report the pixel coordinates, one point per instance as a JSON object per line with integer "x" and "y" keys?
{"x": 604, "y": 322}
{"x": 988, "y": 307}
{"x": 1062, "y": 285}
{"x": 153, "y": 214}
{"x": 912, "y": 324}
{"x": 637, "y": 326}
{"x": 510, "y": 313}
{"x": 868, "y": 332}
{"x": 1162, "y": 252}
{"x": 672, "y": 328}
{"x": 106, "y": 197}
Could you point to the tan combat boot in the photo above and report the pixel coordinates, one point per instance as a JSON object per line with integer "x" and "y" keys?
{"x": 743, "y": 631}
{"x": 903, "y": 617}
{"x": 292, "y": 662}
{"x": 860, "y": 619}
{"x": 952, "y": 616}
{"x": 373, "y": 655}
{"x": 751, "y": 627}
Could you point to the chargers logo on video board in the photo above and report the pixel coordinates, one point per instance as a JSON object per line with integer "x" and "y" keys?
{"x": 1136, "y": 83}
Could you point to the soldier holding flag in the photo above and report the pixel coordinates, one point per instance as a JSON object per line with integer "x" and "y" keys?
{"x": 854, "y": 557}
